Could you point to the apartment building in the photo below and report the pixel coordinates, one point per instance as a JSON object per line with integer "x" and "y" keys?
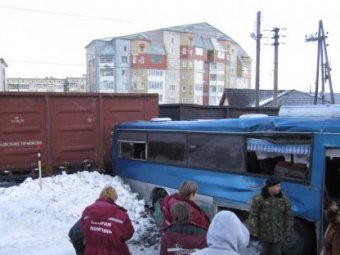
{"x": 190, "y": 64}
{"x": 3, "y": 80}
{"x": 48, "y": 84}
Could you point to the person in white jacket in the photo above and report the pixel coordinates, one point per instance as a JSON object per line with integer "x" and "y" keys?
{"x": 226, "y": 235}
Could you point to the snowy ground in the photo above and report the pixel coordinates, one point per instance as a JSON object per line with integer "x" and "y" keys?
{"x": 36, "y": 222}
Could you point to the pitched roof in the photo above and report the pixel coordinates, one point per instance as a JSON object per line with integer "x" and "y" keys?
{"x": 203, "y": 29}
{"x": 246, "y": 98}
{"x": 4, "y": 62}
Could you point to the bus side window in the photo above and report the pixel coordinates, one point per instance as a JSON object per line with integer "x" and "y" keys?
{"x": 253, "y": 165}
{"x": 139, "y": 151}
{"x": 268, "y": 165}
{"x": 132, "y": 150}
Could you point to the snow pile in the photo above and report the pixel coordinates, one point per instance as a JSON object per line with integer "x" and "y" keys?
{"x": 34, "y": 221}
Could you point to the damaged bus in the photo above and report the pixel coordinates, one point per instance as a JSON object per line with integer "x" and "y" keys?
{"x": 230, "y": 159}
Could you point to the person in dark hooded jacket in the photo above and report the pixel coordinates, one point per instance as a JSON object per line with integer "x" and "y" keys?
{"x": 271, "y": 218}
{"x": 106, "y": 226}
{"x": 182, "y": 237}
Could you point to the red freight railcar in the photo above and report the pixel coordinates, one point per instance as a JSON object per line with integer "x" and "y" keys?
{"x": 74, "y": 130}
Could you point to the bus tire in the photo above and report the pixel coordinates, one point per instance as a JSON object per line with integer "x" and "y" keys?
{"x": 156, "y": 206}
{"x": 301, "y": 241}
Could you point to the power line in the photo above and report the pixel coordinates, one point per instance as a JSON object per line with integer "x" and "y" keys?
{"x": 66, "y": 14}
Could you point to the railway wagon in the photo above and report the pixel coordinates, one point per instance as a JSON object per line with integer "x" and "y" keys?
{"x": 71, "y": 132}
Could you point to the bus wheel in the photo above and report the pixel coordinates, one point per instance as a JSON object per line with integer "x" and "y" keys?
{"x": 301, "y": 241}
{"x": 157, "y": 213}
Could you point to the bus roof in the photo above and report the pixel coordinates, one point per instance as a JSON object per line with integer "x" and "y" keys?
{"x": 258, "y": 124}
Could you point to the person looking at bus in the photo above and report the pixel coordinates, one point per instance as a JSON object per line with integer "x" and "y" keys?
{"x": 76, "y": 238}
{"x": 226, "y": 235}
{"x": 186, "y": 193}
{"x": 271, "y": 218}
{"x": 331, "y": 243}
{"x": 106, "y": 226}
{"x": 182, "y": 236}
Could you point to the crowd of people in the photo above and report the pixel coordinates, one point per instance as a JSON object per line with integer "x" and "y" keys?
{"x": 105, "y": 227}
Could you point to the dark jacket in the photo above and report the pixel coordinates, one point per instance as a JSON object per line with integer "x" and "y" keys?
{"x": 331, "y": 243}
{"x": 106, "y": 227}
{"x": 76, "y": 236}
{"x": 199, "y": 217}
{"x": 270, "y": 218}
{"x": 183, "y": 239}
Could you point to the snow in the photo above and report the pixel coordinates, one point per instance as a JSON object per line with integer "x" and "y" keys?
{"x": 36, "y": 222}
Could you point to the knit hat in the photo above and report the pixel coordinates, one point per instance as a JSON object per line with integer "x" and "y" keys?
{"x": 272, "y": 181}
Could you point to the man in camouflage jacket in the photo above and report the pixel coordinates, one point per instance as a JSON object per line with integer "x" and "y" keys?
{"x": 271, "y": 217}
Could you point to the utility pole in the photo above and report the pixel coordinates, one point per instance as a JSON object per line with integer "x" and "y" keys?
{"x": 258, "y": 49}
{"x": 276, "y": 63}
{"x": 322, "y": 64}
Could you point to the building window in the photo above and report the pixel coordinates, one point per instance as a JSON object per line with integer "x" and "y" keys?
{"x": 141, "y": 60}
{"x": 156, "y": 59}
{"x": 106, "y": 71}
{"x": 199, "y": 51}
{"x": 124, "y": 59}
{"x": 172, "y": 40}
{"x": 171, "y": 100}
{"x": 198, "y": 87}
{"x": 220, "y": 54}
{"x": 184, "y": 63}
{"x": 155, "y": 85}
{"x": 154, "y": 72}
{"x": 184, "y": 51}
{"x": 123, "y": 72}
{"x": 172, "y": 87}
{"x": 213, "y": 77}
{"x": 124, "y": 48}
{"x": 134, "y": 60}
{"x": 106, "y": 59}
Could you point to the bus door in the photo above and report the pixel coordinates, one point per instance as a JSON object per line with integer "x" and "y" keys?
{"x": 332, "y": 179}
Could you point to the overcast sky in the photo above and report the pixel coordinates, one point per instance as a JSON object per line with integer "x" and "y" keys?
{"x": 40, "y": 38}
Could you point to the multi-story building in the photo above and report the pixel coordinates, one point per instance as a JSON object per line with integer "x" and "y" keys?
{"x": 190, "y": 64}
{"x": 3, "y": 80}
{"x": 76, "y": 84}
{"x": 48, "y": 84}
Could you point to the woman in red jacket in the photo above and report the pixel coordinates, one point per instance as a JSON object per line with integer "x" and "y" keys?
{"x": 186, "y": 193}
{"x": 106, "y": 226}
{"x": 182, "y": 236}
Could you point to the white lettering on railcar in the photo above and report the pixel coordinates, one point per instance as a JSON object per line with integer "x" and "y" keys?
{"x": 19, "y": 143}
{"x": 17, "y": 120}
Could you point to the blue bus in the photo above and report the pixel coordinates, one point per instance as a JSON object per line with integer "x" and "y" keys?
{"x": 229, "y": 159}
